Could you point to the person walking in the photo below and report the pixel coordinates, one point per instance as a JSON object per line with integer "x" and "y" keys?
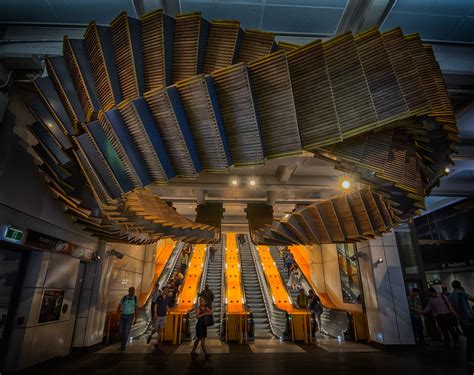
{"x": 208, "y": 296}
{"x": 416, "y": 314}
{"x": 202, "y": 311}
{"x": 162, "y": 306}
{"x": 460, "y": 302}
{"x": 183, "y": 260}
{"x": 445, "y": 315}
{"x": 127, "y": 310}
{"x": 314, "y": 304}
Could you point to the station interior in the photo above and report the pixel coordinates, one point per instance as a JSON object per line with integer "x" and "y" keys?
{"x": 287, "y": 186}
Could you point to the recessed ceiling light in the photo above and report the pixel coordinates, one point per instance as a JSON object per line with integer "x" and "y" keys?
{"x": 235, "y": 182}
{"x": 346, "y": 184}
{"x": 252, "y": 182}
{"x": 447, "y": 170}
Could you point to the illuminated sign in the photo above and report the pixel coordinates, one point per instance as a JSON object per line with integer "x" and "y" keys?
{"x": 13, "y": 234}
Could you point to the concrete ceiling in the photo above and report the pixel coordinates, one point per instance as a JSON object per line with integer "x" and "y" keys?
{"x": 286, "y": 182}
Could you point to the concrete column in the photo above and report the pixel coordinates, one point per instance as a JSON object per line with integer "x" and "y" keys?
{"x": 384, "y": 291}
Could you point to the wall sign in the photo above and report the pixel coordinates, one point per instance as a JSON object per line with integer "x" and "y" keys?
{"x": 12, "y": 234}
{"x": 51, "y": 305}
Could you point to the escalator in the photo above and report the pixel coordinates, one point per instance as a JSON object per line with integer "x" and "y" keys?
{"x": 169, "y": 267}
{"x": 213, "y": 277}
{"x": 334, "y": 322}
{"x": 253, "y": 292}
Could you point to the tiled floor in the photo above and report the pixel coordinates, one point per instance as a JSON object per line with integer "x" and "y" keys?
{"x": 261, "y": 357}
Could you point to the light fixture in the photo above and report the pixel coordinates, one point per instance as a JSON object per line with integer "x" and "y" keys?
{"x": 346, "y": 184}
{"x": 235, "y": 182}
{"x": 378, "y": 261}
{"x": 446, "y": 170}
{"x": 252, "y": 182}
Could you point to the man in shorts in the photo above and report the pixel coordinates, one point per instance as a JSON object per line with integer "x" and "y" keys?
{"x": 162, "y": 306}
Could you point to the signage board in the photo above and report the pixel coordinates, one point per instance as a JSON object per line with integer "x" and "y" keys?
{"x": 51, "y": 306}
{"x": 12, "y": 234}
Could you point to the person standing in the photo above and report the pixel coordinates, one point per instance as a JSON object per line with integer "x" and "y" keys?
{"x": 460, "y": 302}
{"x": 314, "y": 304}
{"x": 154, "y": 295}
{"x": 127, "y": 309}
{"x": 212, "y": 251}
{"x": 445, "y": 315}
{"x": 183, "y": 260}
{"x": 416, "y": 314}
{"x": 162, "y": 306}
{"x": 202, "y": 311}
{"x": 208, "y": 296}
{"x": 302, "y": 299}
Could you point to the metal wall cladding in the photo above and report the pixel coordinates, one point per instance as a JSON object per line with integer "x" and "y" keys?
{"x": 140, "y": 123}
{"x": 172, "y": 124}
{"x": 98, "y": 43}
{"x": 354, "y": 105}
{"x": 126, "y": 44}
{"x": 315, "y": 107}
{"x": 381, "y": 80}
{"x": 157, "y": 33}
{"x": 237, "y": 106}
{"x": 255, "y": 44}
{"x": 189, "y": 45}
{"x": 222, "y": 45}
{"x": 62, "y": 81}
{"x": 205, "y": 122}
{"x": 271, "y": 84}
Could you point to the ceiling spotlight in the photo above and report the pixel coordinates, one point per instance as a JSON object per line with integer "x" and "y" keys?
{"x": 252, "y": 182}
{"x": 235, "y": 182}
{"x": 446, "y": 170}
{"x": 346, "y": 184}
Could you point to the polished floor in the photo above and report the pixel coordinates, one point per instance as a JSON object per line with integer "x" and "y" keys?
{"x": 261, "y": 357}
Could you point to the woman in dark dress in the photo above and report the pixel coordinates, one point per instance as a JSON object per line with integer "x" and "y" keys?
{"x": 201, "y": 329}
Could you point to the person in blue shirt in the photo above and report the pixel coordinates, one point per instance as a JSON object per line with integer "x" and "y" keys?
{"x": 460, "y": 302}
{"x": 127, "y": 309}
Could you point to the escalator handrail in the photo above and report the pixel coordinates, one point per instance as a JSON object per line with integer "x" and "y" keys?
{"x": 162, "y": 280}
{"x": 268, "y": 301}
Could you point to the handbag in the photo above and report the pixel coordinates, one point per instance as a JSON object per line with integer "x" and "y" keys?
{"x": 208, "y": 320}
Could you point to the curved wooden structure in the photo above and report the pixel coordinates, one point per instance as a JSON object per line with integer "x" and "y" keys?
{"x": 141, "y": 102}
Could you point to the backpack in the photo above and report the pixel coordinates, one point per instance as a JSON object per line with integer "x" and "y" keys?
{"x": 127, "y": 301}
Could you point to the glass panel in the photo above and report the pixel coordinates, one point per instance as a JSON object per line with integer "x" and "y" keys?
{"x": 349, "y": 272}
{"x": 406, "y": 249}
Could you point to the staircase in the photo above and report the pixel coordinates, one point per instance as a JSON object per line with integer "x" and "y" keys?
{"x": 253, "y": 293}
{"x": 214, "y": 279}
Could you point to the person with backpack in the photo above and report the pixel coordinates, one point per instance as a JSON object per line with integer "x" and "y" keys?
{"x": 445, "y": 315}
{"x": 460, "y": 302}
{"x": 127, "y": 310}
{"x": 314, "y": 304}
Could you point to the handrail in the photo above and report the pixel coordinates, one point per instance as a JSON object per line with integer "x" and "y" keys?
{"x": 223, "y": 284}
{"x": 139, "y": 328}
{"x": 269, "y": 304}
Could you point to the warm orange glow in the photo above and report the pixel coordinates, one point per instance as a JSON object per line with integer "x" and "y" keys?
{"x": 191, "y": 282}
{"x": 233, "y": 276}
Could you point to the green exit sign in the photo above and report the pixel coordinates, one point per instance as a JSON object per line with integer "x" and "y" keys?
{"x": 13, "y": 234}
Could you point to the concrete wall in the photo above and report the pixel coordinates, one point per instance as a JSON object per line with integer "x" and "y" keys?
{"x": 384, "y": 292}
{"x": 32, "y": 342}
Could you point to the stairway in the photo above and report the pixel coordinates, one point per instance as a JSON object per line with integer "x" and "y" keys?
{"x": 214, "y": 279}
{"x": 284, "y": 273}
{"x": 253, "y": 293}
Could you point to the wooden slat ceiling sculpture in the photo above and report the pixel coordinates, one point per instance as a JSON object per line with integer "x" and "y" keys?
{"x": 142, "y": 102}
